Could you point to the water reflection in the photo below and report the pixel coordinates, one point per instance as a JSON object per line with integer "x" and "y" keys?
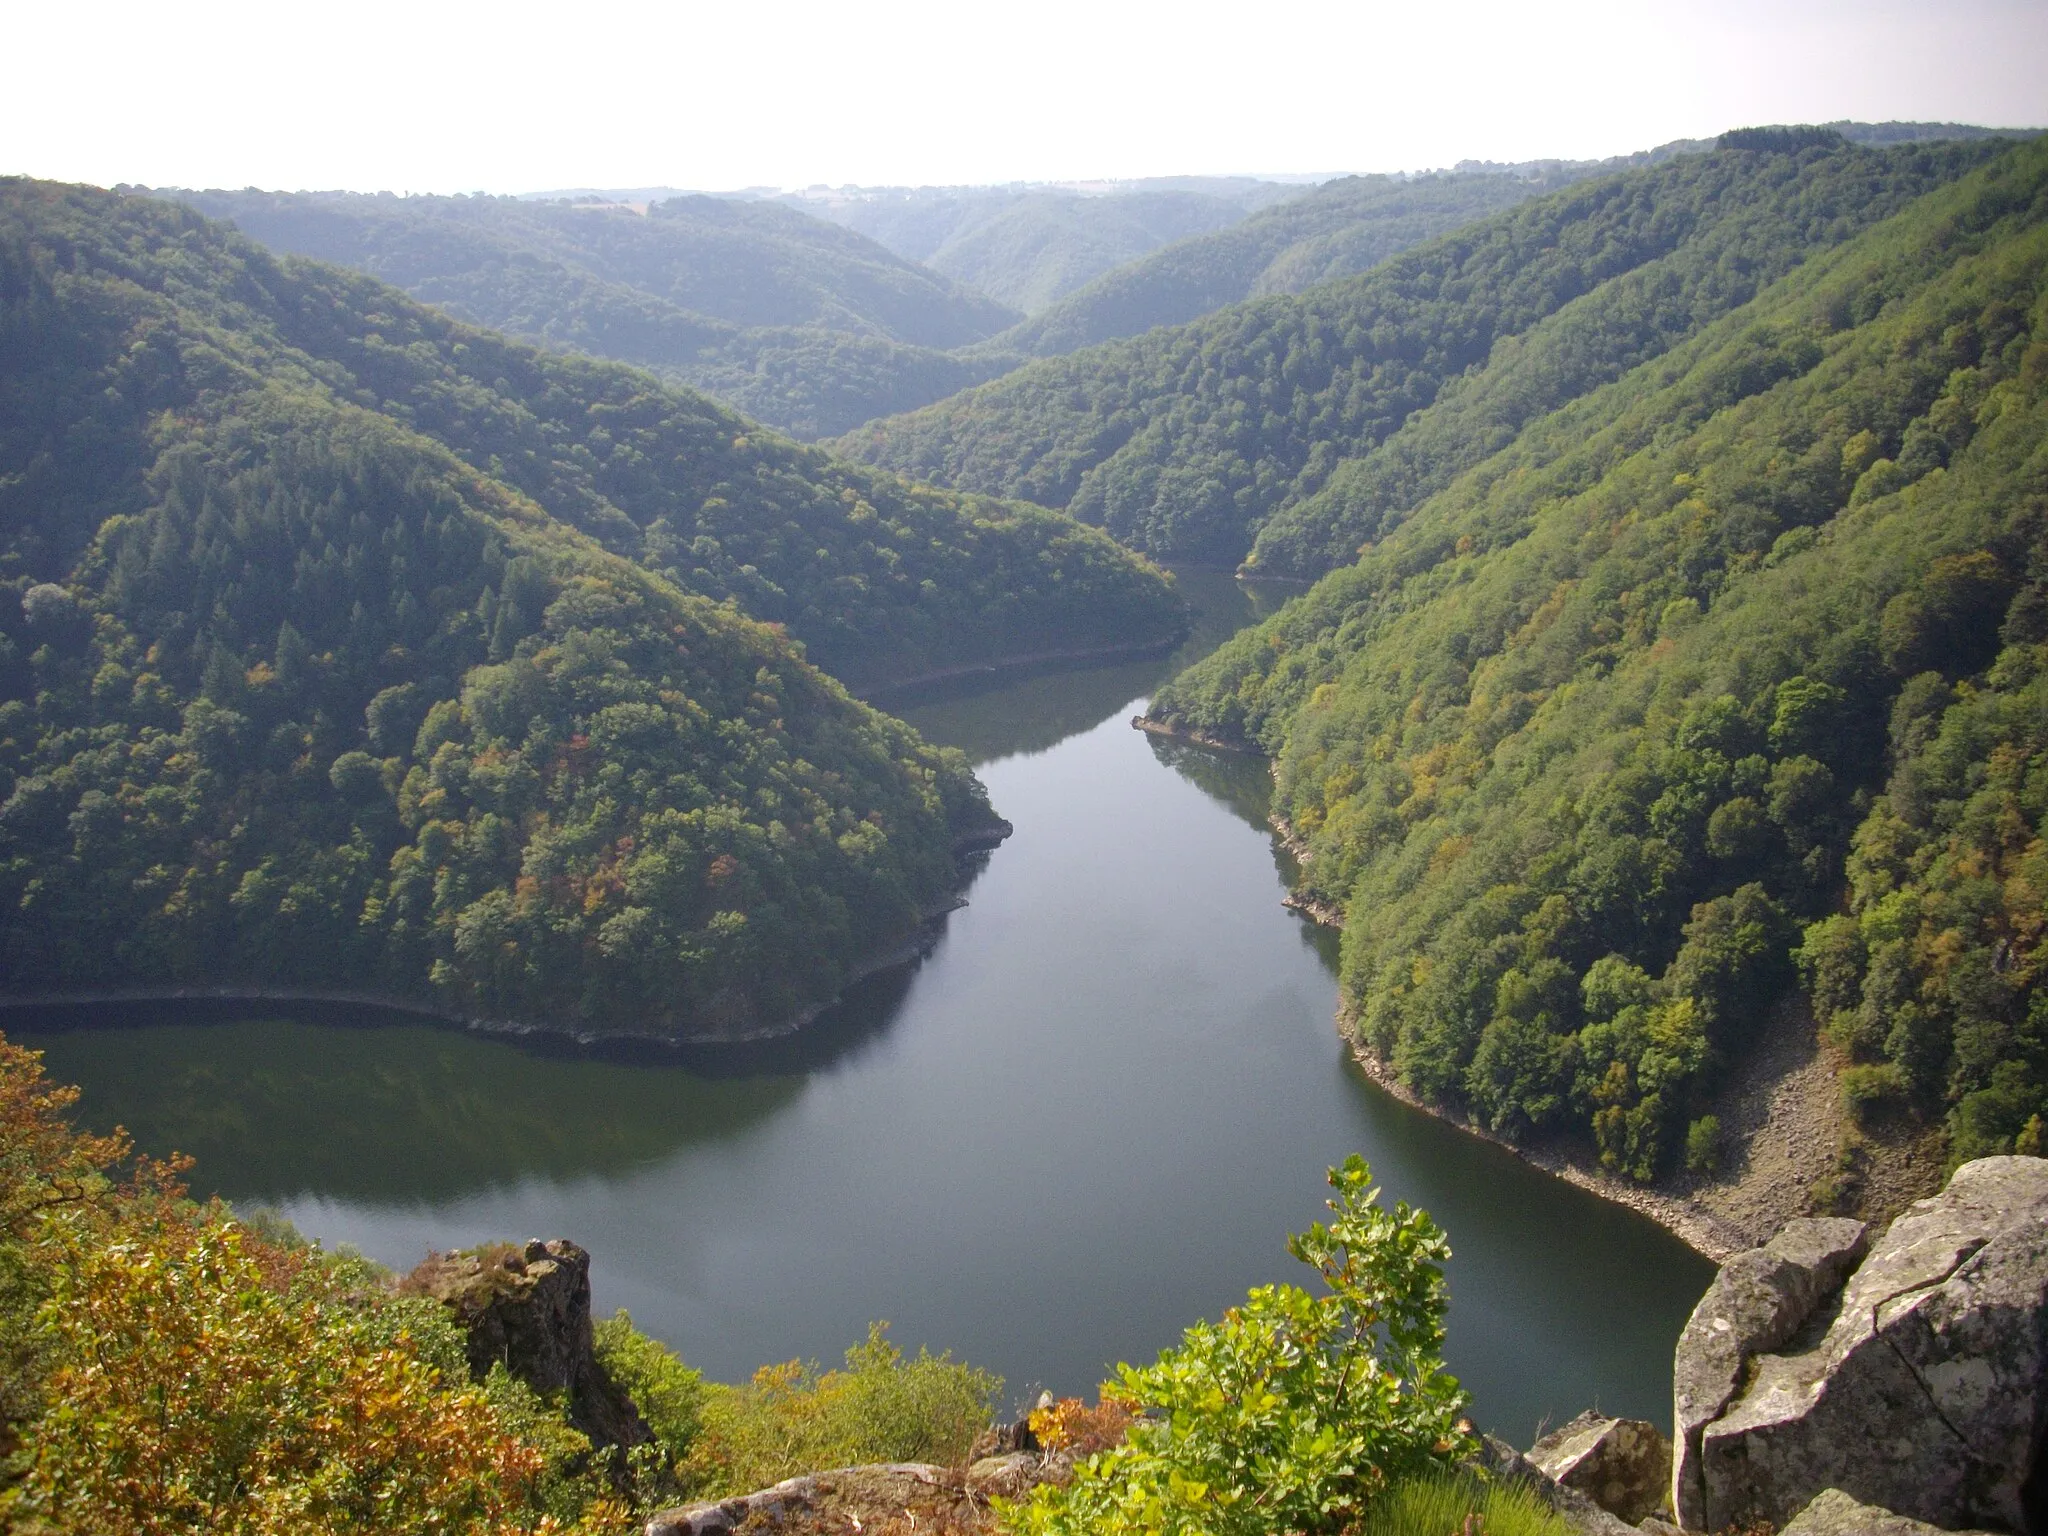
{"x": 389, "y": 1111}
{"x": 1238, "y": 781}
{"x": 1035, "y": 714}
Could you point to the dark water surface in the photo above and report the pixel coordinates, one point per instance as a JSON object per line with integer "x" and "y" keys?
{"x": 1091, "y": 1115}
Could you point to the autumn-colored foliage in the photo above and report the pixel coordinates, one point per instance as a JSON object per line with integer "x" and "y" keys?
{"x": 174, "y": 1372}
{"x": 1073, "y": 1427}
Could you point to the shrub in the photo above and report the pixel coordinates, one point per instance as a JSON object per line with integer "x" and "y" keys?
{"x": 1866, "y": 1087}
{"x": 1070, "y": 1425}
{"x": 1703, "y": 1144}
{"x": 793, "y": 1418}
{"x": 669, "y": 1395}
{"x": 193, "y": 1394}
{"x": 1295, "y": 1412}
{"x": 165, "y": 1368}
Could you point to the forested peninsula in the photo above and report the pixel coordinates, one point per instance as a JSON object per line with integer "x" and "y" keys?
{"x": 1717, "y": 690}
{"x": 348, "y": 646}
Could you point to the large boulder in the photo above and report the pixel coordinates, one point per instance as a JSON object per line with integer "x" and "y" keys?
{"x": 1756, "y": 1303}
{"x": 529, "y": 1310}
{"x": 1834, "y": 1513}
{"x": 1623, "y": 1465}
{"x": 1915, "y": 1388}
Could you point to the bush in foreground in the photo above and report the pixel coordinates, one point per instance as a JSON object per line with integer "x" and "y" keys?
{"x": 1296, "y": 1412}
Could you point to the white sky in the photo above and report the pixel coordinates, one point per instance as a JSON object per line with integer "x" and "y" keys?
{"x": 455, "y": 95}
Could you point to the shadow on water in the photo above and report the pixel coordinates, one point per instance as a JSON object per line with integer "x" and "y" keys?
{"x": 374, "y": 1109}
{"x": 369, "y": 1103}
{"x": 1240, "y": 782}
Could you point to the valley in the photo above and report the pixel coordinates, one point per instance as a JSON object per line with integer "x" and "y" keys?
{"x": 571, "y": 828}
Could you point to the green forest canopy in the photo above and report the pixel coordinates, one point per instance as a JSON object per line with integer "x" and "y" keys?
{"x": 1728, "y": 671}
{"x": 801, "y": 324}
{"x": 346, "y": 645}
{"x": 1189, "y": 441}
{"x": 1339, "y": 228}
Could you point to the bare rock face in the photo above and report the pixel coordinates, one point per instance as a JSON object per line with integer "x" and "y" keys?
{"x": 1623, "y": 1465}
{"x": 1756, "y": 1303}
{"x": 530, "y": 1310}
{"x": 1917, "y": 1388}
{"x": 1834, "y": 1513}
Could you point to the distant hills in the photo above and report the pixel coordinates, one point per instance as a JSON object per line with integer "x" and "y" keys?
{"x": 804, "y": 325}
{"x": 1339, "y": 228}
{"x": 345, "y": 645}
{"x": 1028, "y": 248}
{"x": 1285, "y": 429}
{"x": 813, "y": 328}
{"x": 775, "y": 303}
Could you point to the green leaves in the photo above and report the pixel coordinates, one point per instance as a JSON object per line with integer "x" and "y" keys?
{"x": 1295, "y": 1410}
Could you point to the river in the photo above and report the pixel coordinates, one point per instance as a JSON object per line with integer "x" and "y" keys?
{"x": 1091, "y": 1114}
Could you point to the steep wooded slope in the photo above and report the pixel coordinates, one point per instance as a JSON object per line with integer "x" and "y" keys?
{"x": 798, "y": 322}
{"x": 324, "y": 662}
{"x": 1186, "y": 441}
{"x": 1735, "y": 664}
{"x": 880, "y": 579}
{"x": 1339, "y": 228}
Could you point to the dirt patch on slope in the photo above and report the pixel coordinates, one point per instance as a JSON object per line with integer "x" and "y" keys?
{"x": 1781, "y": 1127}
{"x": 1783, "y": 1132}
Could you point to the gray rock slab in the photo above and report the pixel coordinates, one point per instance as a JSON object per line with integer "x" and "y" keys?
{"x": 1623, "y": 1465}
{"x": 1834, "y": 1513}
{"x": 1919, "y": 1392}
{"x": 1756, "y": 1303}
{"x": 1498, "y": 1460}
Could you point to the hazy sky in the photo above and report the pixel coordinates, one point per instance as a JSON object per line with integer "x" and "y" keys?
{"x": 429, "y": 95}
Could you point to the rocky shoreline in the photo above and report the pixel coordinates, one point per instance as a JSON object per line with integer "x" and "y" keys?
{"x": 1700, "y": 1230}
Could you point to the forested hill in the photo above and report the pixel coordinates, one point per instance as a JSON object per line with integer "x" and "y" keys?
{"x": 882, "y": 580}
{"x": 345, "y": 645}
{"x": 1341, "y": 227}
{"x": 746, "y": 263}
{"x": 1030, "y": 247}
{"x": 1186, "y": 441}
{"x": 1729, "y": 676}
{"x": 801, "y": 323}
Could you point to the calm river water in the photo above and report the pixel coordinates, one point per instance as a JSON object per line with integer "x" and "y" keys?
{"x": 1091, "y": 1115}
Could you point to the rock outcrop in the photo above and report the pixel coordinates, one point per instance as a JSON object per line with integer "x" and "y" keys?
{"x": 1497, "y": 1461}
{"x": 1756, "y": 1303}
{"x": 1915, "y": 1387}
{"x": 1834, "y": 1513}
{"x": 529, "y": 1309}
{"x": 1623, "y": 1465}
